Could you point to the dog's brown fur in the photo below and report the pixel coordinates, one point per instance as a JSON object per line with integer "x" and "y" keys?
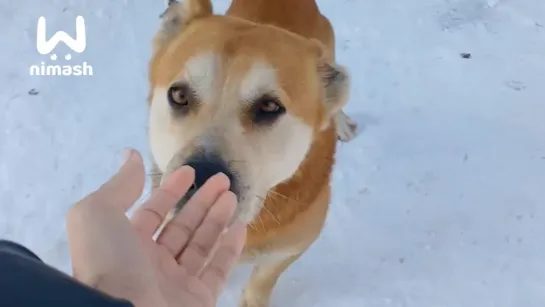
{"x": 292, "y": 214}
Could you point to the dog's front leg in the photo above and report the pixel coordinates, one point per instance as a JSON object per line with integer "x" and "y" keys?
{"x": 257, "y": 292}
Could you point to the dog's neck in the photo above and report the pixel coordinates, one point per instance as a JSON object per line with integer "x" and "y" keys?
{"x": 298, "y": 16}
{"x": 285, "y": 201}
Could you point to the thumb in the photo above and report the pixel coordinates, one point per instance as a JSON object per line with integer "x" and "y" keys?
{"x": 124, "y": 188}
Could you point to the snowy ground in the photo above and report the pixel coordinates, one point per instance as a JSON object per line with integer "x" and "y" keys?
{"x": 440, "y": 202}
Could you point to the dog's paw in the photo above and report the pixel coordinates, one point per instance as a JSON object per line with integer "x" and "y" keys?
{"x": 345, "y": 126}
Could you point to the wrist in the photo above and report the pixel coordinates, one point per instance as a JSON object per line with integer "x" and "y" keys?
{"x": 146, "y": 301}
{"x": 147, "y": 298}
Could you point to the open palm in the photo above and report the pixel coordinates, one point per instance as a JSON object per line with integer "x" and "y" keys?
{"x": 189, "y": 262}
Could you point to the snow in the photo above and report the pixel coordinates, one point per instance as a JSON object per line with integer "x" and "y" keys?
{"x": 439, "y": 202}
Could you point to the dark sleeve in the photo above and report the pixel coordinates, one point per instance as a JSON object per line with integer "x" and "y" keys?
{"x": 26, "y": 281}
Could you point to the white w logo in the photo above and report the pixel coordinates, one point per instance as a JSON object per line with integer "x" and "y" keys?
{"x": 46, "y": 46}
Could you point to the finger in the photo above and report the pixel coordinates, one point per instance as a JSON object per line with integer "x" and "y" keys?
{"x": 124, "y": 188}
{"x": 199, "y": 248}
{"x": 217, "y": 272}
{"x": 177, "y": 232}
{"x": 149, "y": 216}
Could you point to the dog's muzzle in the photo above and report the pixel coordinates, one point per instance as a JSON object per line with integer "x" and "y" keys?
{"x": 205, "y": 167}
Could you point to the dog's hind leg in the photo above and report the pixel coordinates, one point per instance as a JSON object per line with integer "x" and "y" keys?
{"x": 257, "y": 292}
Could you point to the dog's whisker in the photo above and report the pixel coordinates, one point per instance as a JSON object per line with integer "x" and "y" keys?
{"x": 261, "y": 222}
{"x": 153, "y": 174}
{"x": 252, "y": 226}
{"x": 266, "y": 208}
{"x": 282, "y": 195}
{"x": 272, "y": 214}
{"x": 238, "y": 161}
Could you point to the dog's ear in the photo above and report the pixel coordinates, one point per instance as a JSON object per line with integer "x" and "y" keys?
{"x": 179, "y": 14}
{"x": 335, "y": 82}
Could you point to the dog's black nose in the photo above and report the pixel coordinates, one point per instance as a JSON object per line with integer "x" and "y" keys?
{"x": 207, "y": 166}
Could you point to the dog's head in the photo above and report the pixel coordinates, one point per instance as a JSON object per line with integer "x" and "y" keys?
{"x": 231, "y": 96}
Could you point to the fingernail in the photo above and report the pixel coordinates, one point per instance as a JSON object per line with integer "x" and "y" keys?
{"x": 126, "y": 155}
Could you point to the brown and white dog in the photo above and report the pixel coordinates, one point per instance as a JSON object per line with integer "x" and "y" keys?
{"x": 255, "y": 94}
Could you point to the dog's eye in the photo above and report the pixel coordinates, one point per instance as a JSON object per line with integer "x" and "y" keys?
{"x": 269, "y": 106}
{"x": 180, "y": 96}
{"x": 267, "y": 109}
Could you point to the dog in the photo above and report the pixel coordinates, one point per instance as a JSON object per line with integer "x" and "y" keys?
{"x": 257, "y": 95}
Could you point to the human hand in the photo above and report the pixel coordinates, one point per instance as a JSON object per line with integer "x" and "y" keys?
{"x": 118, "y": 256}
